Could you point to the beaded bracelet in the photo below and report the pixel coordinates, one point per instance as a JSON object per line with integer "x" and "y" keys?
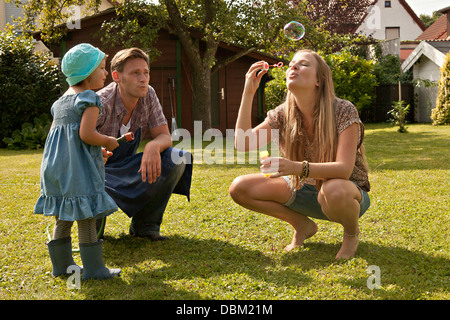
{"x": 305, "y": 170}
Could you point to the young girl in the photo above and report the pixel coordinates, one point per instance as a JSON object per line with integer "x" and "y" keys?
{"x": 323, "y": 174}
{"x": 72, "y": 170}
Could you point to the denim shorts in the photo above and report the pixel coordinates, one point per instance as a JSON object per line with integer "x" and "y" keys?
{"x": 304, "y": 201}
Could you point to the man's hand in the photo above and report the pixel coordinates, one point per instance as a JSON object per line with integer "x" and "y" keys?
{"x": 151, "y": 159}
{"x": 151, "y": 163}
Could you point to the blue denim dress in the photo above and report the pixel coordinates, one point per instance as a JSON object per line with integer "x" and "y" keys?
{"x": 72, "y": 172}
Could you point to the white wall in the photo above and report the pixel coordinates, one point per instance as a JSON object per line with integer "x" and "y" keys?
{"x": 425, "y": 69}
{"x": 379, "y": 18}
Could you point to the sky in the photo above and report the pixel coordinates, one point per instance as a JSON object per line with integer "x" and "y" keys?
{"x": 427, "y": 6}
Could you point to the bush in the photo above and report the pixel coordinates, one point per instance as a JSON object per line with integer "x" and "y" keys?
{"x": 29, "y": 83}
{"x": 276, "y": 88}
{"x": 398, "y": 112}
{"x": 388, "y": 70}
{"x": 353, "y": 78}
{"x": 441, "y": 113}
{"x": 30, "y": 137}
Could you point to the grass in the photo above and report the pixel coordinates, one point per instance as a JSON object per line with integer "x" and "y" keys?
{"x": 219, "y": 250}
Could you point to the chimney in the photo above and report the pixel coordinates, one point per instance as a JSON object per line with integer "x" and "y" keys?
{"x": 448, "y": 23}
{"x": 446, "y": 11}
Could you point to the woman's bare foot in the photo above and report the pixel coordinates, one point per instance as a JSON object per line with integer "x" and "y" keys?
{"x": 349, "y": 246}
{"x": 301, "y": 234}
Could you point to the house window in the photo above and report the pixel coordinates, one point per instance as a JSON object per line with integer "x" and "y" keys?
{"x": 392, "y": 33}
{"x": 387, "y": 4}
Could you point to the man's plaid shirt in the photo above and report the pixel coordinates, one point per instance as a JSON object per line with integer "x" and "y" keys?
{"x": 147, "y": 114}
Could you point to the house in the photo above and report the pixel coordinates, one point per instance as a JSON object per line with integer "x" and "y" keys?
{"x": 387, "y": 20}
{"x": 440, "y": 29}
{"x": 426, "y": 61}
{"x": 394, "y": 22}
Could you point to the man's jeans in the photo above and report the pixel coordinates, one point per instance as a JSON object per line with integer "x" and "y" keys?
{"x": 148, "y": 220}
{"x": 142, "y": 201}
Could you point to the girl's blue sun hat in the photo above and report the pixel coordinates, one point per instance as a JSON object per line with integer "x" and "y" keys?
{"x": 80, "y": 61}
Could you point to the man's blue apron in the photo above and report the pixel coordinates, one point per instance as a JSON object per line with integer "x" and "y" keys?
{"x": 124, "y": 183}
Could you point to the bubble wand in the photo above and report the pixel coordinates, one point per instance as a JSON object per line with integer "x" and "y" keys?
{"x": 266, "y": 66}
{"x": 277, "y": 65}
{"x": 126, "y": 137}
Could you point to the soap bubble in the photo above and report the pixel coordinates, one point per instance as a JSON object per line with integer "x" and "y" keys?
{"x": 294, "y": 30}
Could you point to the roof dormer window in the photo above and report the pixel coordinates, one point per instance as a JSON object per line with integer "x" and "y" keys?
{"x": 387, "y": 4}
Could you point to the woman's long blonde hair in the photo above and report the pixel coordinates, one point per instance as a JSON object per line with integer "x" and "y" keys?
{"x": 325, "y": 131}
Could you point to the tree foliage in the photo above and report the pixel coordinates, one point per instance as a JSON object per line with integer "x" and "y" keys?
{"x": 136, "y": 25}
{"x": 338, "y": 16}
{"x": 201, "y": 25}
{"x": 428, "y": 20}
{"x": 50, "y": 17}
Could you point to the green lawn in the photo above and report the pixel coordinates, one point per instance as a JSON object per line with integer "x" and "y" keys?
{"x": 219, "y": 250}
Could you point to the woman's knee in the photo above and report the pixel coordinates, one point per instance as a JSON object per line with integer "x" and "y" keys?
{"x": 250, "y": 187}
{"x": 238, "y": 188}
{"x": 337, "y": 193}
{"x": 247, "y": 187}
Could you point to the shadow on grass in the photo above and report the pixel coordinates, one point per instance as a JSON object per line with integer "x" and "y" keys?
{"x": 150, "y": 266}
{"x": 404, "y": 274}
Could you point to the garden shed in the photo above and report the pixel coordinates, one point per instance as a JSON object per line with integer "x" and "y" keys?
{"x": 426, "y": 61}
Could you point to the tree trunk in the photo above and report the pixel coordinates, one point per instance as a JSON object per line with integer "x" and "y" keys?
{"x": 201, "y": 82}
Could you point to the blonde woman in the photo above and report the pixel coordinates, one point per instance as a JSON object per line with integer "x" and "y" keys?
{"x": 323, "y": 174}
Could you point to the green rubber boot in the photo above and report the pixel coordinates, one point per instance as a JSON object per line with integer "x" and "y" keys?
{"x": 60, "y": 251}
{"x": 93, "y": 266}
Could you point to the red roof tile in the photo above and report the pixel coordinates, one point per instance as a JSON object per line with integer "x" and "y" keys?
{"x": 404, "y": 53}
{"x": 437, "y": 31}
